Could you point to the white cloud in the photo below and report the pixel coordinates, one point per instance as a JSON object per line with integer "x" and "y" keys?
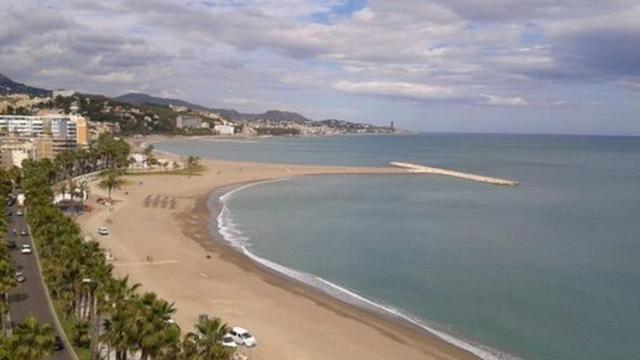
{"x": 396, "y": 89}
{"x": 114, "y": 78}
{"x": 272, "y": 51}
{"x": 494, "y": 100}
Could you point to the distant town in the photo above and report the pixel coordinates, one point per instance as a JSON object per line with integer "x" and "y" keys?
{"x": 37, "y": 123}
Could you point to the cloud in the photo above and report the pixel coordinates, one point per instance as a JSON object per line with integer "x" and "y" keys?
{"x": 494, "y": 100}
{"x": 396, "y": 89}
{"x": 332, "y": 51}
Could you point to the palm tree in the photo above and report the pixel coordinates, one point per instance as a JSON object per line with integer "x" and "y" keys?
{"x": 72, "y": 187}
{"x": 62, "y": 188}
{"x": 148, "y": 153}
{"x": 151, "y": 323}
{"x": 110, "y": 180}
{"x": 83, "y": 190}
{"x": 206, "y": 341}
{"x": 15, "y": 175}
{"x": 117, "y": 335}
{"x": 31, "y": 341}
{"x": 117, "y": 307}
{"x": 193, "y": 165}
{"x": 7, "y": 282}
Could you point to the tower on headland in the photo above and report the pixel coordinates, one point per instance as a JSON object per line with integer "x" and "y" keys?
{"x": 392, "y": 125}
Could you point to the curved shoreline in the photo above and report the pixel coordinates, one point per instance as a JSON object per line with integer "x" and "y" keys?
{"x": 294, "y": 319}
{"x": 216, "y": 203}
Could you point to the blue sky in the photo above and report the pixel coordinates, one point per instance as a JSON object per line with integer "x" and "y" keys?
{"x": 525, "y": 66}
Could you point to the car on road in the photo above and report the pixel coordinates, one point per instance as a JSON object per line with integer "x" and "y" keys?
{"x": 102, "y": 230}
{"x": 24, "y": 232}
{"x": 19, "y": 213}
{"x": 228, "y": 341}
{"x": 26, "y": 249}
{"x": 243, "y": 337}
{"x": 58, "y": 345}
{"x": 19, "y": 277}
{"x": 12, "y": 245}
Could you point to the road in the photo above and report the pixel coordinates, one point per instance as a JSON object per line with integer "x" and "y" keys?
{"x": 29, "y": 297}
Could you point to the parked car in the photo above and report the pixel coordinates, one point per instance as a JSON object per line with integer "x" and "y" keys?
{"x": 243, "y": 337}
{"x": 26, "y": 249}
{"x": 103, "y": 230}
{"x": 228, "y": 341}
{"x": 19, "y": 213}
{"x": 58, "y": 345}
{"x": 24, "y": 232}
{"x": 19, "y": 277}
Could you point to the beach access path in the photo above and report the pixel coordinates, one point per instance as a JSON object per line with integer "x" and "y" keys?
{"x": 165, "y": 218}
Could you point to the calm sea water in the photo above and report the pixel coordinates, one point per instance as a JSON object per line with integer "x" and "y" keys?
{"x": 545, "y": 270}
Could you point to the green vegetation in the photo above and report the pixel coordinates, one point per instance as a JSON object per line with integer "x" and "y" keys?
{"x": 111, "y": 179}
{"x": 79, "y": 341}
{"x": 142, "y": 119}
{"x": 193, "y": 166}
{"x": 204, "y": 342}
{"x": 31, "y": 341}
{"x": 101, "y": 314}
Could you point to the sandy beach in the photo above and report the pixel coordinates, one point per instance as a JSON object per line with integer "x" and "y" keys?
{"x": 166, "y": 217}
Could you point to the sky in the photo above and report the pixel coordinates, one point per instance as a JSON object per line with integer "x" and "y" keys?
{"x": 520, "y": 66}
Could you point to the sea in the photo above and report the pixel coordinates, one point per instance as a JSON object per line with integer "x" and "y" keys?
{"x": 549, "y": 269}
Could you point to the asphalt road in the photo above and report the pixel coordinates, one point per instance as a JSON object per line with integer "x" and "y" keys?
{"x": 29, "y": 297}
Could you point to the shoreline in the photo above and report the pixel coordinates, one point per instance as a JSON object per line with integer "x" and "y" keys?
{"x": 216, "y": 204}
{"x": 235, "y": 287}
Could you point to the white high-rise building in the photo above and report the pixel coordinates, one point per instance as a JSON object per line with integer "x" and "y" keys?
{"x": 63, "y": 129}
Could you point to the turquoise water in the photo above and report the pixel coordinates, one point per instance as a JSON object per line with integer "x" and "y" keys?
{"x": 545, "y": 270}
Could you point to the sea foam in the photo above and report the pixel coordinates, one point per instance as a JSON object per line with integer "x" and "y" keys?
{"x": 233, "y": 236}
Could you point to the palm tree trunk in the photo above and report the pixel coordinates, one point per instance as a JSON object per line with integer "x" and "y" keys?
{"x": 95, "y": 347}
{"x": 4, "y": 329}
{"x": 4, "y": 314}
{"x": 77, "y": 306}
{"x": 82, "y": 305}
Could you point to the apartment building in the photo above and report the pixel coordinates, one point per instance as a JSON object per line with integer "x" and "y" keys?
{"x": 188, "y": 122}
{"x": 66, "y": 132}
{"x": 14, "y": 151}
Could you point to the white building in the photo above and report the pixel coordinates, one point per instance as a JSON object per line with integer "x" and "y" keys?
{"x": 14, "y": 152}
{"x": 178, "y": 108}
{"x": 59, "y": 126}
{"x": 67, "y": 131}
{"x": 139, "y": 161}
{"x": 63, "y": 93}
{"x": 188, "y": 122}
{"x": 224, "y": 129}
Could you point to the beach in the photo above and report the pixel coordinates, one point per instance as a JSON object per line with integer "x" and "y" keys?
{"x": 165, "y": 219}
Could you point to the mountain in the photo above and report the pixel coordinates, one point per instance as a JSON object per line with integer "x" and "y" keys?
{"x": 278, "y": 115}
{"x": 142, "y": 99}
{"x": 233, "y": 115}
{"x": 8, "y": 86}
